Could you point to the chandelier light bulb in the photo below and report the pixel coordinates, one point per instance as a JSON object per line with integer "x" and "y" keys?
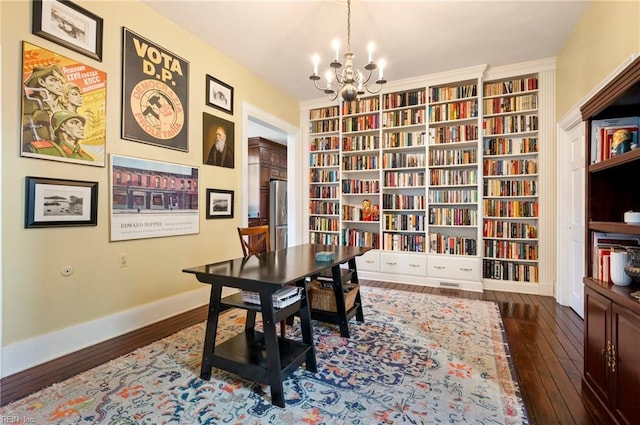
{"x": 381, "y": 70}
{"x": 336, "y": 47}
{"x": 316, "y": 62}
{"x": 329, "y": 76}
{"x": 371, "y": 48}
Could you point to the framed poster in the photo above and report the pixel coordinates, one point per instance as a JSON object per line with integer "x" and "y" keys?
{"x": 151, "y": 199}
{"x": 219, "y": 203}
{"x": 57, "y": 202}
{"x": 219, "y": 95}
{"x": 155, "y": 94}
{"x": 218, "y": 147}
{"x": 63, "y": 108}
{"x": 68, "y": 25}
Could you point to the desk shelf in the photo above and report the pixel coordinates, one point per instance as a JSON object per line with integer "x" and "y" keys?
{"x": 235, "y": 300}
{"x": 245, "y": 355}
{"x": 332, "y": 316}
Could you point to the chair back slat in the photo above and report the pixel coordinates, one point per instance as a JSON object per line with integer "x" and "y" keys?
{"x": 254, "y": 240}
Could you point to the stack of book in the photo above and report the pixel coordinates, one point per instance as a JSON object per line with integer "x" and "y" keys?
{"x": 603, "y": 244}
{"x": 281, "y": 298}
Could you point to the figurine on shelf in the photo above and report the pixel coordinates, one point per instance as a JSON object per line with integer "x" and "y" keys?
{"x": 621, "y": 142}
{"x": 366, "y": 210}
{"x": 375, "y": 212}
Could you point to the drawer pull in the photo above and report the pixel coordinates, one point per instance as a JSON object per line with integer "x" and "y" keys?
{"x": 414, "y": 265}
{"x": 465, "y": 269}
{"x": 439, "y": 267}
{"x": 369, "y": 261}
{"x": 391, "y": 264}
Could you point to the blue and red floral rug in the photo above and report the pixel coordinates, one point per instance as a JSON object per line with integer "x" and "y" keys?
{"x": 418, "y": 359}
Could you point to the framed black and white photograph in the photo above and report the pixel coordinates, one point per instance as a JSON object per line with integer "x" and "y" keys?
{"x": 68, "y": 25}
{"x": 58, "y": 202}
{"x": 219, "y": 203}
{"x": 219, "y": 95}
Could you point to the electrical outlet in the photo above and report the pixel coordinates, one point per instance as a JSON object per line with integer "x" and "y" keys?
{"x": 124, "y": 261}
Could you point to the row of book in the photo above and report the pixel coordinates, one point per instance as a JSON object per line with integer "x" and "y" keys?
{"x": 611, "y": 137}
{"x": 320, "y": 113}
{"x": 510, "y": 146}
{"x": 323, "y": 192}
{"x": 513, "y": 208}
{"x": 361, "y": 123}
{"x": 501, "y": 105}
{"x": 324, "y": 143}
{"x": 453, "y": 111}
{"x": 403, "y": 202}
{"x": 360, "y": 186}
{"x": 399, "y": 100}
{"x": 324, "y": 238}
{"x": 442, "y": 94}
{"x": 403, "y": 139}
{"x": 323, "y": 223}
{"x": 453, "y": 134}
{"x": 509, "y": 167}
{"x": 510, "y": 188}
{"x": 403, "y": 160}
{"x": 453, "y": 217}
{"x": 453, "y": 177}
{"x": 325, "y": 126}
{"x": 403, "y": 117}
{"x": 403, "y": 222}
{"x": 324, "y": 160}
{"x": 360, "y": 162}
{"x": 453, "y": 245}
{"x": 323, "y": 176}
{"x": 439, "y": 157}
{"x": 511, "y": 86}
{"x": 323, "y": 207}
{"x": 508, "y": 229}
{"x": 453, "y": 196}
{"x": 506, "y": 270}
{"x": 510, "y": 124}
{"x": 360, "y": 143}
{"x": 361, "y": 238}
{"x": 359, "y": 106}
{"x": 403, "y": 179}
{"x": 510, "y": 250}
{"x": 357, "y": 213}
{"x": 603, "y": 244}
{"x": 400, "y": 242}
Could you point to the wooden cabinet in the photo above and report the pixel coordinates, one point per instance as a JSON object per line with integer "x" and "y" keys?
{"x": 611, "y": 379}
{"x": 267, "y": 161}
{"x": 612, "y": 356}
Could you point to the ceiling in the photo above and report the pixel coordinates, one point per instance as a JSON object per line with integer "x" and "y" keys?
{"x": 277, "y": 39}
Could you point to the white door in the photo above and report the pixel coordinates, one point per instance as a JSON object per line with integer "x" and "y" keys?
{"x": 575, "y": 256}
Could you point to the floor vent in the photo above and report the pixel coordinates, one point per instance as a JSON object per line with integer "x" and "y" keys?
{"x": 450, "y": 285}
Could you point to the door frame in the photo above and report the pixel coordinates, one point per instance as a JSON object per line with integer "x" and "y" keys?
{"x": 294, "y": 169}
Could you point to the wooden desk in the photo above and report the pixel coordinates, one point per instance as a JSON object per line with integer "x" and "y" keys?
{"x": 263, "y": 357}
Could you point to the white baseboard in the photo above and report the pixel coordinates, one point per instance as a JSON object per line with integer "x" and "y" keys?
{"x": 31, "y": 352}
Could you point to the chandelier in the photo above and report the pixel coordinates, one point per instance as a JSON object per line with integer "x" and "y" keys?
{"x": 349, "y": 78}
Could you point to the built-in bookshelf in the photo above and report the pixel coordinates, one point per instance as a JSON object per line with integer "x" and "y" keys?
{"x": 360, "y": 172}
{"x": 324, "y": 175}
{"x": 454, "y": 168}
{"x": 510, "y": 179}
{"x": 403, "y": 171}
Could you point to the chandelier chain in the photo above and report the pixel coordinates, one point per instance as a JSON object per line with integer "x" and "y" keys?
{"x": 349, "y": 25}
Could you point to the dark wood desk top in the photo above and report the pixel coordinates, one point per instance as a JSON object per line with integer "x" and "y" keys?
{"x": 282, "y": 267}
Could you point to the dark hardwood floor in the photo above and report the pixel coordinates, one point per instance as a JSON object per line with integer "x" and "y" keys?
{"x": 545, "y": 340}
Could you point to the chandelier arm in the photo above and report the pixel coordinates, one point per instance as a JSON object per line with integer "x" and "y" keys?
{"x": 364, "y": 82}
{"x": 315, "y": 83}
{"x": 368, "y": 88}
{"x": 338, "y": 76}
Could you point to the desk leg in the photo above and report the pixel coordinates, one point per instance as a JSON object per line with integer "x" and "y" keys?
{"x": 307, "y": 327}
{"x": 274, "y": 367}
{"x": 340, "y": 304}
{"x": 210, "y": 332}
{"x": 354, "y": 279}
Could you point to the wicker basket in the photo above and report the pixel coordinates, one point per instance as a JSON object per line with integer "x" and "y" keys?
{"x": 324, "y": 298}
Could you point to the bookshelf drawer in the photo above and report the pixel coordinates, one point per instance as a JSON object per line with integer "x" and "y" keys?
{"x": 405, "y": 263}
{"x": 370, "y": 261}
{"x": 454, "y": 267}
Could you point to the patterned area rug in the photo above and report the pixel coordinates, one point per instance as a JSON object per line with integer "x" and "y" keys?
{"x": 418, "y": 359}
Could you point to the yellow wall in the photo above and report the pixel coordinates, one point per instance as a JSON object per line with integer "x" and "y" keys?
{"x": 607, "y": 33}
{"x": 36, "y": 298}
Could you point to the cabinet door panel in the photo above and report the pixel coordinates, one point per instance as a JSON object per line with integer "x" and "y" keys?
{"x": 596, "y": 334}
{"x": 626, "y": 336}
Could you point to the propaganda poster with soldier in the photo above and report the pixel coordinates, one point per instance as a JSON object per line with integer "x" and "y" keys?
{"x": 63, "y": 108}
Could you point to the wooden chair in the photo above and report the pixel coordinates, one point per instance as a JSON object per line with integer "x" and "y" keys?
{"x": 255, "y": 240}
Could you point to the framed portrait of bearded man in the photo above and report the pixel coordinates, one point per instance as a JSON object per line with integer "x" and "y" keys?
{"x": 63, "y": 108}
